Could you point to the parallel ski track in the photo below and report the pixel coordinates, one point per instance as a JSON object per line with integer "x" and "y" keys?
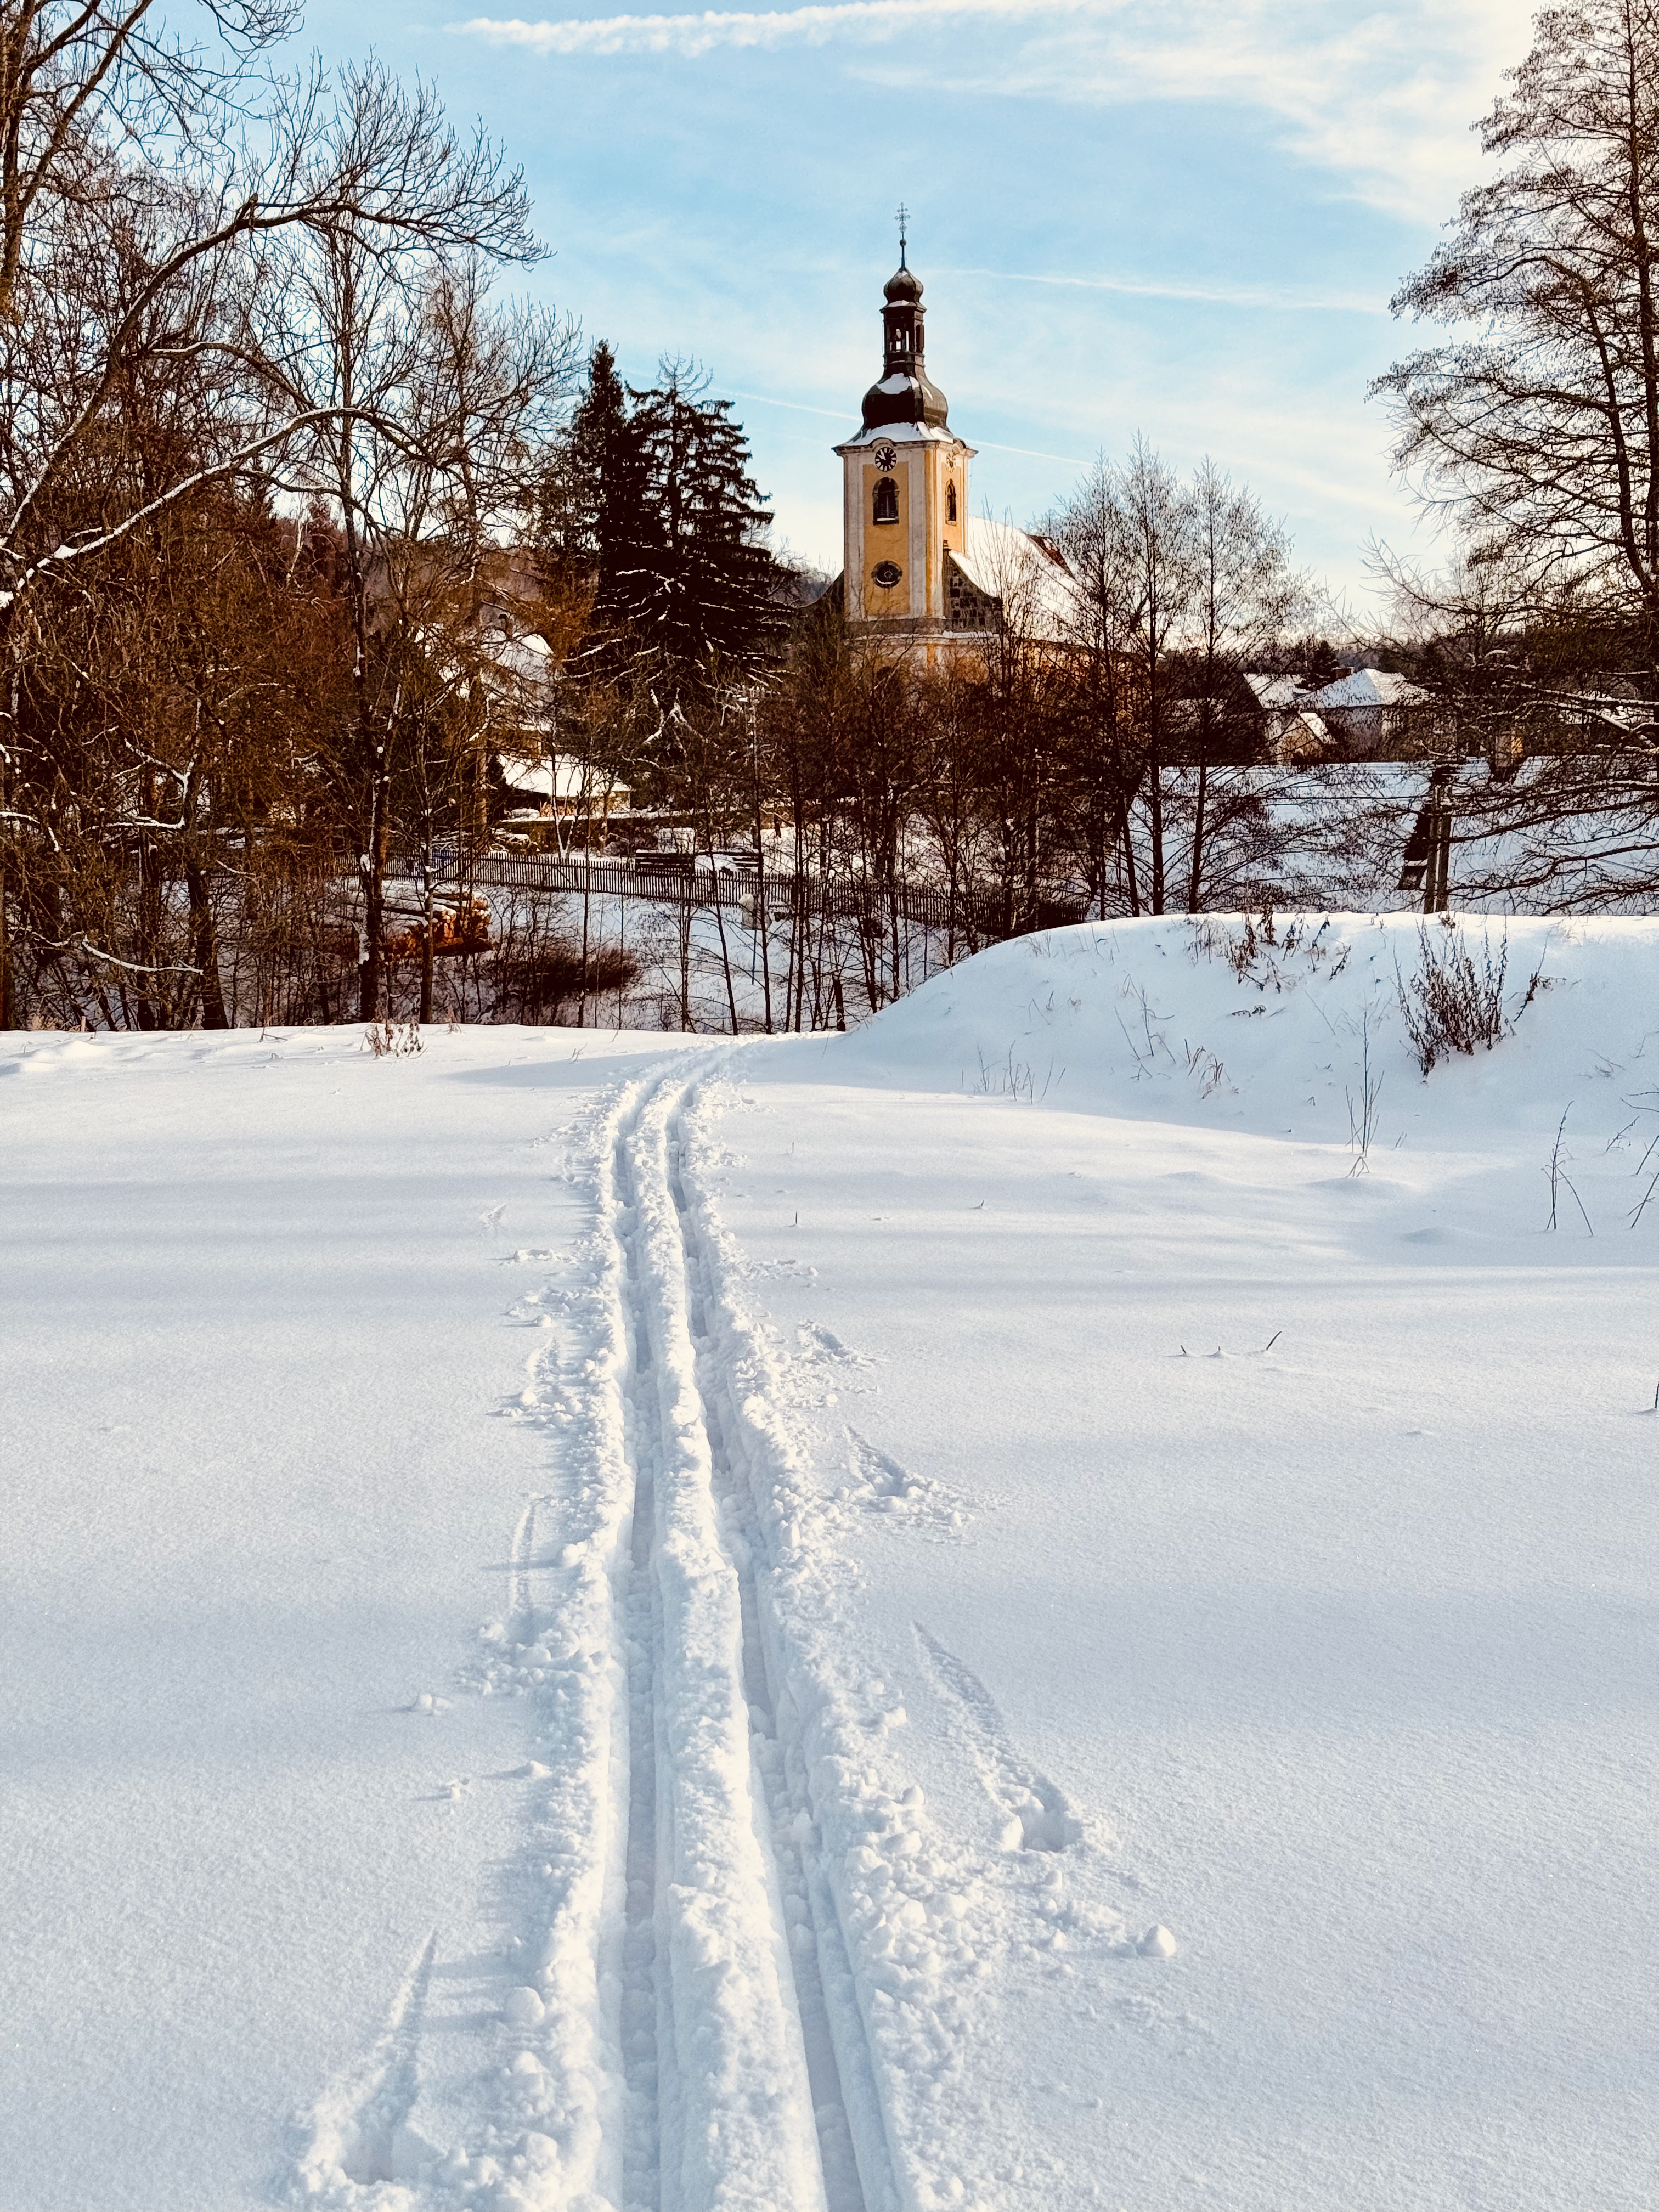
{"x": 647, "y": 1996}
{"x": 852, "y": 2135}
{"x": 747, "y": 2071}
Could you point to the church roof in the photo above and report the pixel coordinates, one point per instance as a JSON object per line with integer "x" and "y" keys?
{"x": 905, "y": 396}
{"x": 1028, "y": 574}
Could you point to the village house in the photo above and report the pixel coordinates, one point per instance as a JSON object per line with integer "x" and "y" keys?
{"x": 1363, "y": 713}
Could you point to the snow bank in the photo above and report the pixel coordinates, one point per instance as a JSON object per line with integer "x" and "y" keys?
{"x": 1211, "y": 1021}
{"x": 1065, "y": 1583}
{"x": 1251, "y": 1534}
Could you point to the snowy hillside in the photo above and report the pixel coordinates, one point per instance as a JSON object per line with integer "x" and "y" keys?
{"x": 1047, "y": 1603}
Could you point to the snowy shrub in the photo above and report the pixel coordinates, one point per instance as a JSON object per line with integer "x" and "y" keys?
{"x": 1261, "y": 952}
{"x": 1455, "y": 1003}
{"x": 390, "y": 1040}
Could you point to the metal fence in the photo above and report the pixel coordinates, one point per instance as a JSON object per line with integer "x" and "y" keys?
{"x": 928, "y": 905}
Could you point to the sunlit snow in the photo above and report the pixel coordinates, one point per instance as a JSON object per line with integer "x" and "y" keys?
{"x": 1048, "y": 1603}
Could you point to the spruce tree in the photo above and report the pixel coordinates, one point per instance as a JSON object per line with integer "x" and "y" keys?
{"x": 601, "y": 494}
{"x": 698, "y": 584}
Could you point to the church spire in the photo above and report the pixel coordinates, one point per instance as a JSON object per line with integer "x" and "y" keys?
{"x": 904, "y": 394}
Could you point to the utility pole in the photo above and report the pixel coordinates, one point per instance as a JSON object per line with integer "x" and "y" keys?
{"x": 1427, "y": 865}
{"x": 1437, "y": 891}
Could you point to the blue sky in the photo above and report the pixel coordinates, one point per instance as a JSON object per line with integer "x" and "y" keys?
{"x": 1183, "y": 219}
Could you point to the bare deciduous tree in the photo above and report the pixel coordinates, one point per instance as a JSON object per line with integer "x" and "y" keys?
{"x": 1533, "y": 433}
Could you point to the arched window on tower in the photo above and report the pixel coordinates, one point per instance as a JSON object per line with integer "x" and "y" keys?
{"x": 949, "y": 503}
{"x": 886, "y": 508}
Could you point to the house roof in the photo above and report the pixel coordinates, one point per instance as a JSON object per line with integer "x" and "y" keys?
{"x": 559, "y": 778}
{"x": 1360, "y": 687}
{"x": 1369, "y": 687}
{"x": 1276, "y": 691}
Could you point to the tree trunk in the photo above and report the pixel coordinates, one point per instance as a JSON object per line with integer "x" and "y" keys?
{"x": 720, "y": 924}
{"x": 8, "y": 989}
{"x": 371, "y": 867}
{"x": 204, "y": 949}
{"x": 1131, "y": 878}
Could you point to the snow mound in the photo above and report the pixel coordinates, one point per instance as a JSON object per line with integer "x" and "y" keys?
{"x": 1227, "y": 1020}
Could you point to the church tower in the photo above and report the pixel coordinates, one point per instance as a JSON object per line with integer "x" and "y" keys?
{"x": 905, "y": 481}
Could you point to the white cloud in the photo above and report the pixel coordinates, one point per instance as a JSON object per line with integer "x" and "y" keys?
{"x": 1384, "y": 98}
{"x": 693, "y": 34}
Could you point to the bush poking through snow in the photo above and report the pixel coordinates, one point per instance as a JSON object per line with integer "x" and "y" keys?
{"x": 1362, "y": 1116}
{"x": 1211, "y": 1074}
{"x": 390, "y": 1040}
{"x": 1454, "y": 1003}
{"x": 1260, "y": 953}
{"x": 1557, "y": 1175}
{"x": 1016, "y": 1080}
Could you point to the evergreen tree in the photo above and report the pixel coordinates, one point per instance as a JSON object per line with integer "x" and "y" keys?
{"x": 697, "y": 585}
{"x": 594, "y": 495}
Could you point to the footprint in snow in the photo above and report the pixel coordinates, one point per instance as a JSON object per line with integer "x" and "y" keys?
{"x": 823, "y": 1344}
{"x": 1035, "y": 1815}
{"x": 881, "y": 1485}
{"x": 360, "y": 2129}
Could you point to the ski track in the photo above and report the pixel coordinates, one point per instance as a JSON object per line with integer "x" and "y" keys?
{"x": 715, "y": 1948}
{"x": 646, "y": 1995}
{"x": 518, "y": 1607}
{"x": 800, "y": 1903}
{"x": 729, "y": 2081}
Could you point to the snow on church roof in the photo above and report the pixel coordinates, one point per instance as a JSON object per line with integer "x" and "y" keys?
{"x": 1029, "y": 575}
{"x": 899, "y": 433}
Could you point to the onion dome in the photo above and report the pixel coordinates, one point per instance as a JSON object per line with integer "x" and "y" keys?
{"x": 904, "y": 394}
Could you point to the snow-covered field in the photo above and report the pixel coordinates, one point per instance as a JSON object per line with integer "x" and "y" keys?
{"x": 960, "y": 1615}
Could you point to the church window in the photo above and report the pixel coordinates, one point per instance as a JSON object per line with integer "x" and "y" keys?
{"x": 950, "y": 503}
{"x": 886, "y": 509}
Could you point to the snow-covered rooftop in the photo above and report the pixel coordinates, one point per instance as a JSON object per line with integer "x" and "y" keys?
{"x": 1359, "y": 688}
{"x": 1027, "y": 573}
{"x": 562, "y": 778}
{"x": 901, "y": 434}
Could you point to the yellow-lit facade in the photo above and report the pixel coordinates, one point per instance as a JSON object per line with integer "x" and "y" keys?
{"x": 906, "y": 505}
{"x": 905, "y": 485}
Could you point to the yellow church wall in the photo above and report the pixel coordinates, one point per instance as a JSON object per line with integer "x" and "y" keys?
{"x": 953, "y": 465}
{"x": 917, "y": 541}
{"x": 888, "y": 541}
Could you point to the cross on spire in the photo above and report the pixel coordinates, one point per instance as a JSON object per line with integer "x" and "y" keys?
{"x": 904, "y": 226}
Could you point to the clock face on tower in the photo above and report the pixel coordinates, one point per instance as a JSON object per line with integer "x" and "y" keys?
{"x": 885, "y": 458}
